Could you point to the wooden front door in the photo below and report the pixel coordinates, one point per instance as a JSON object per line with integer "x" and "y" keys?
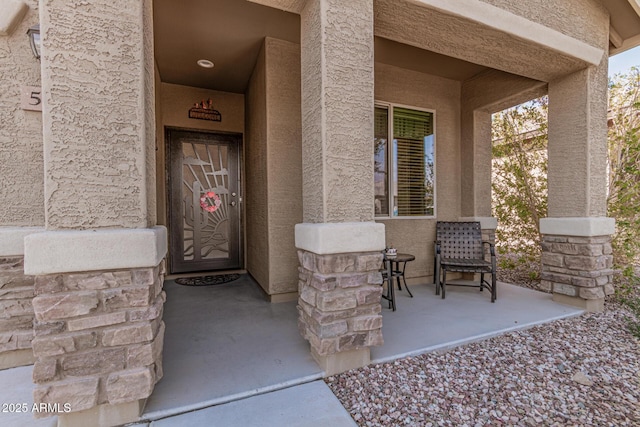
{"x": 204, "y": 201}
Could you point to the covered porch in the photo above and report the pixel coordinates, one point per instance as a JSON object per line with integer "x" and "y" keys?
{"x": 226, "y": 343}
{"x": 231, "y": 344}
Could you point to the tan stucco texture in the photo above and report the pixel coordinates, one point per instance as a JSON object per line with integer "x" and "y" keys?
{"x": 337, "y": 110}
{"x": 98, "y": 119}
{"x": 414, "y": 89}
{"x": 273, "y": 166}
{"x": 21, "y": 159}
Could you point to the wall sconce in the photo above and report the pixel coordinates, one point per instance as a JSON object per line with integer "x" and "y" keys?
{"x": 34, "y": 40}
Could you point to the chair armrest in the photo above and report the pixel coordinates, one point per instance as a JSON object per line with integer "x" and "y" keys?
{"x": 492, "y": 247}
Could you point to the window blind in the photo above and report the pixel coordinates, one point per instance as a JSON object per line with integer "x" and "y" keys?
{"x": 414, "y": 166}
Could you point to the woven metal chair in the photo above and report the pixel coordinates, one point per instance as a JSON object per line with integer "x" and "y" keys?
{"x": 459, "y": 247}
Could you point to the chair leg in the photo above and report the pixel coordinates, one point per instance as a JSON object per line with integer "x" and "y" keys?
{"x": 494, "y": 287}
{"x": 481, "y": 281}
{"x": 444, "y": 281}
{"x": 436, "y": 278}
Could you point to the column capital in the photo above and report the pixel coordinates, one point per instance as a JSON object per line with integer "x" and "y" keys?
{"x": 335, "y": 238}
{"x": 53, "y": 252}
{"x": 12, "y": 239}
{"x": 486, "y": 222}
{"x": 578, "y": 226}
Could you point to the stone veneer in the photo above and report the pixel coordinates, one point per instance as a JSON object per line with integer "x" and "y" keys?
{"x": 339, "y": 303}
{"x": 98, "y": 337}
{"x": 16, "y": 313}
{"x": 578, "y": 267}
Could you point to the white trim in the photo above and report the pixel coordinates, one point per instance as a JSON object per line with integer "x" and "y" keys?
{"x": 580, "y": 226}
{"x": 486, "y": 222}
{"x": 342, "y": 237}
{"x": 12, "y": 239}
{"x": 53, "y": 252}
{"x": 517, "y": 26}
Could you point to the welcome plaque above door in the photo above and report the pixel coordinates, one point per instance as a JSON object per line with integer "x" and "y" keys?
{"x": 204, "y": 110}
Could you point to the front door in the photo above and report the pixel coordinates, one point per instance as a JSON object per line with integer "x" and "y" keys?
{"x": 204, "y": 201}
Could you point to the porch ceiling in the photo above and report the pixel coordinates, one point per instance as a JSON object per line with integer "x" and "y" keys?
{"x": 227, "y": 32}
{"x": 230, "y": 33}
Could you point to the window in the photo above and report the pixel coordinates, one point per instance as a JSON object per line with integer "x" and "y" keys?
{"x": 404, "y": 176}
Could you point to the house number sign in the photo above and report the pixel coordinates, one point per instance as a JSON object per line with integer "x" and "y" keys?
{"x": 31, "y": 98}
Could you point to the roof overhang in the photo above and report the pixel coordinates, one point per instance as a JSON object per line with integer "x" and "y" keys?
{"x": 624, "y": 29}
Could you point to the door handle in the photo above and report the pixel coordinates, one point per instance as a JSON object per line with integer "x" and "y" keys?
{"x": 233, "y": 203}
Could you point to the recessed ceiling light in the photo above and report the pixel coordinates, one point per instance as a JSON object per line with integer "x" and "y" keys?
{"x": 205, "y": 63}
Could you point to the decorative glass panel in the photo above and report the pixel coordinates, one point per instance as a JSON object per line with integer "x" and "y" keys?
{"x": 205, "y": 180}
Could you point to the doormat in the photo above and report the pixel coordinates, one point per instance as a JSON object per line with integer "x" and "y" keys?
{"x": 218, "y": 279}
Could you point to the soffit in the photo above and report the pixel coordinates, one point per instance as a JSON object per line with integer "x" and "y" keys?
{"x": 230, "y": 33}
{"x": 424, "y": 61}
{"x": 227, "y": 32}
{"x": 625, "y": 23}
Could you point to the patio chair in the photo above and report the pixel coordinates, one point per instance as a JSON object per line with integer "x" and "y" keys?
{"x": 459, "y": 248}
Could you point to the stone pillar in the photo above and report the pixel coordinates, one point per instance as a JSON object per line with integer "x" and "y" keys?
{"x": 98, "y": 322}
{"x": 16, "y": 294}
{"x": 339, "y": 244}
{"x": 339, "y": 307}
{"x": 98, "y": 267}
{"x": 576, "y": 258}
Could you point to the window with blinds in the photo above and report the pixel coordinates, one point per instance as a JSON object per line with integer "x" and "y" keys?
{"x": 412, "y": 180}
{"x": 381, "y": 162}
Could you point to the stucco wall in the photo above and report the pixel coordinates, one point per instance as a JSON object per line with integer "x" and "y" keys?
{"x": 581, "y": 19}
{"x": 274, "y": 166}
{"x": 177, "y": 99}
{"x": 97, "y": 101}
{"x": 475, "y": 42}
{"x": 21, "y": 154}
{"x": 337, "y": 110}
{"x": 412, "y": 88}
{"x": 284, "y": 162}
{"x": 257, "y": 224}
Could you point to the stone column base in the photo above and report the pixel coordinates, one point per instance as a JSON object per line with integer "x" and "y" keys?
{"x": 577, "y": 260}
{"x": 16, "y": 313}
{"x": 98, "y": 342}
{"x": 104, "y": 415}
{"x": 339, "y": 307}
{"x": 335, "y": 363}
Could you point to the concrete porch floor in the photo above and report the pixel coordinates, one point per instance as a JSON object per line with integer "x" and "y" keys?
{"x": 225, "y": 343}
{"x": 226, "y": 346}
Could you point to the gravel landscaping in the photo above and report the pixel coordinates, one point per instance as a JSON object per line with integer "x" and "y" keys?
{"x": 579, "y": 371}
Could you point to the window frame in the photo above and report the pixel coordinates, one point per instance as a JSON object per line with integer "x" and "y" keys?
{"x": 390, "y": 160}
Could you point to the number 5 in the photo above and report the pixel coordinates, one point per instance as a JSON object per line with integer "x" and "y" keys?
{"x": 35, "y": 96}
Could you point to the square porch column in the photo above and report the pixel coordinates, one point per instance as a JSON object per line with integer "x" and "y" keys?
{"x": 576, "y": 237}
{"x": 98, "y": 267}
{"x": 339, "y": 243}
